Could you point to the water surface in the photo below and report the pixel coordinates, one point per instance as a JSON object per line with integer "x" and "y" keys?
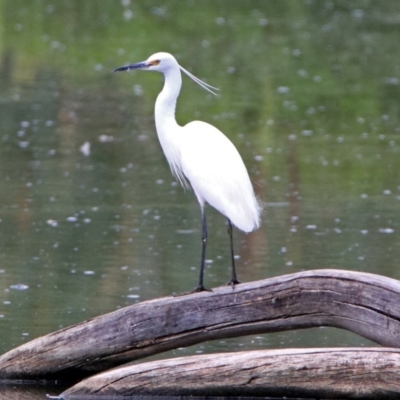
{"x": 91, "y": 219}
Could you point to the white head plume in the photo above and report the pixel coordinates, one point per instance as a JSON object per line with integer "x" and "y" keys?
{"x": 204, "y": 85}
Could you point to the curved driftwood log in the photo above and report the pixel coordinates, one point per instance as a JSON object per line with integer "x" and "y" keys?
{"x": 317, "y": 373}
{"x": 366, "y": 304}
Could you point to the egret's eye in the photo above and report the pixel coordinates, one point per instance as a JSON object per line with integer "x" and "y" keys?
{"x": 155, "y": 62}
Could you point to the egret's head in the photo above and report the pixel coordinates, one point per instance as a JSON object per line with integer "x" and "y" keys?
{"x": 164, "y": 62}
{"x": 157, "y": 62}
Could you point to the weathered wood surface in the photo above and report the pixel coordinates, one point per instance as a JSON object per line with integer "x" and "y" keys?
{"x": 29, "y": 391}
{"x": 366, "y": 304}
{"x": 372, "y": 373}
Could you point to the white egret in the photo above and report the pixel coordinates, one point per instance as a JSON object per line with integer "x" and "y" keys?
{"x": 202, "y": 156}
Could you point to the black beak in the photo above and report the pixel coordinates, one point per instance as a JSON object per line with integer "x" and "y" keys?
{"x": 140, "y": 65}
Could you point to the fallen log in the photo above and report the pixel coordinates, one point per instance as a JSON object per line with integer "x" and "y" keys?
{"x": 364, "y": 303}
{"x": 308, "y": 373}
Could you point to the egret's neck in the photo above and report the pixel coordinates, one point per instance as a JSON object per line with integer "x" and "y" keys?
{"x": 166, "y": 102}
{"x": 168, "y": 130}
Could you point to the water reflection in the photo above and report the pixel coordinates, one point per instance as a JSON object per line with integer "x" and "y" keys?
{"x": 309, "y": 96}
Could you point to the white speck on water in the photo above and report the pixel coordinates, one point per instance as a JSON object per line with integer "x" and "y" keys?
{"x": 133, "y": 296}
{"x": 263, "y": 22}
{"x": 386, "y": 230}
{"x": 290, "y": 105}
{"x": 49, "y": 9}
{"x": 307, "y": 132}
{"x": 85, "y": 149}
{"x": 258, "y": 158}
{"x": 128, "y": 15}
{"x": 159, "y": 181}
{"x": 72, "y": 218}
{"x": 358, "y": 13}
{"x": 364, "y": 196}
{"x": 137, "y": 90}
{"x": 19, "y": 286}
{"x": 25, "y": 124}
{"x": 311, "y": 227}
{"x": 391, "y": 81}
{"x": 52, "y": 222}
{"x": 88, "y": 272}
{"x": 105, "y": 138}
{"x": 364, "y": 231}
{"x": 283, "y": 90}
{"x": 387, "y": 192}
{"x": 186, "y": 231}
{"x": 303, "y": 73}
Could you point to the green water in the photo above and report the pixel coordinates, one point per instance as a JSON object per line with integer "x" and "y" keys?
{"x": 310, "y": 96}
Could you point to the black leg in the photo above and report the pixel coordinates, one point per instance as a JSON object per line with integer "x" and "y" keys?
{"x": 200, "y": 286}
{"x": 234, "y": 279}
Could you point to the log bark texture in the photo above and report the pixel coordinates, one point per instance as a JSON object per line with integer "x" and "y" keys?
{"x": 369, "y": 373}
{"x": 364, "y": 303}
